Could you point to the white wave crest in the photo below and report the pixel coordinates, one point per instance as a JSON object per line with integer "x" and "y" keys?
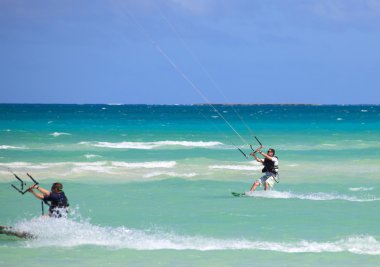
{"x": 81, "y": 168}
{"x": 56, "y": 134}
{"x": 148, "y": 165}
{"x": 11, "y": 147}
{"x": 98, "y": 167}
{"x": 90, "y": 156}
{"x": 153, "y": 145}
{"x": 170, "y": 174}
{"x": 320, "y": 196}
{"x": 236, "y": 167}
{"x": 360, "y": 189}
{"x": 342, "y": 144}
{"x": 74, "y": 234}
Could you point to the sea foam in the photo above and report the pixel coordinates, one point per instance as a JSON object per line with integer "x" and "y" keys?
{"x": 72, "y": 234}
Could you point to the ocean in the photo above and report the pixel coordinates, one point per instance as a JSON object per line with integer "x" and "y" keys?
{"x": 150, "y": 185}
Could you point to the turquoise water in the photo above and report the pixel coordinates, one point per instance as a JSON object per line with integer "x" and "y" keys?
{"x": 151, "y": 185}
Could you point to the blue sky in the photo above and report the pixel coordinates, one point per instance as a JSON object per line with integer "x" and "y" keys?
{"x": 190, "y": 51}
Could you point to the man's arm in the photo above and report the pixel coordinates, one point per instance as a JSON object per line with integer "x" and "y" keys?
{"x": 257, "y": 158}
{"x": 266, "y": 155}
{"x": 42, "y": 190}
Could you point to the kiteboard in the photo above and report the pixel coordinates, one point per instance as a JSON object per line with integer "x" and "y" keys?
{"x": 6, "y": 230}
{"x": 235, "y": 194}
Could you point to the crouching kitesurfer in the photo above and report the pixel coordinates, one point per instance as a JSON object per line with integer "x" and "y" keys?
{"x": 58, "y": 206}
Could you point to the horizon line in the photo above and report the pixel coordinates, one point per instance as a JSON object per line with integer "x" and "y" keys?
{"x": 193, "y": 104}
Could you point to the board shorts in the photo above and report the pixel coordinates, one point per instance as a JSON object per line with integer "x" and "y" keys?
{"x": 267, "y": 177}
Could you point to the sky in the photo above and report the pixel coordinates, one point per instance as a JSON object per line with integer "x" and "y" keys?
{"x": 190, "y": 51}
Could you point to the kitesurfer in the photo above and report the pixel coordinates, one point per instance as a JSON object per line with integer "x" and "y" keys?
{"x": 270, "y": 169}
{"x": 58, "y": 206}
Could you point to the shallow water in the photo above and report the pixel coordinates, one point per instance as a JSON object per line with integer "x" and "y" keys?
{"x": 151, "y": 185}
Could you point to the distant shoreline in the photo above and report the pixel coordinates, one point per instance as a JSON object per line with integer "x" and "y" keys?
{"x": 194, "y": 104}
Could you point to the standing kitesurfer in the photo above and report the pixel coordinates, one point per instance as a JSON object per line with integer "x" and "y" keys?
{"x": 270, "y": 169}
{"x": 58, "y": 206}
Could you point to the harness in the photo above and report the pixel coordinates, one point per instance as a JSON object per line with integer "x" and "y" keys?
{"x": 57, "y": 201}
{"x": 269, "y": 166}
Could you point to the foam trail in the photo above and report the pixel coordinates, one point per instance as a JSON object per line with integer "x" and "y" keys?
{"x": 74, "y": 234}
{"x": 320, "y": 196}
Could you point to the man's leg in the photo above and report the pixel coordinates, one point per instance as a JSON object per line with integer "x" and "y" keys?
{"x": 253, "y": 187}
